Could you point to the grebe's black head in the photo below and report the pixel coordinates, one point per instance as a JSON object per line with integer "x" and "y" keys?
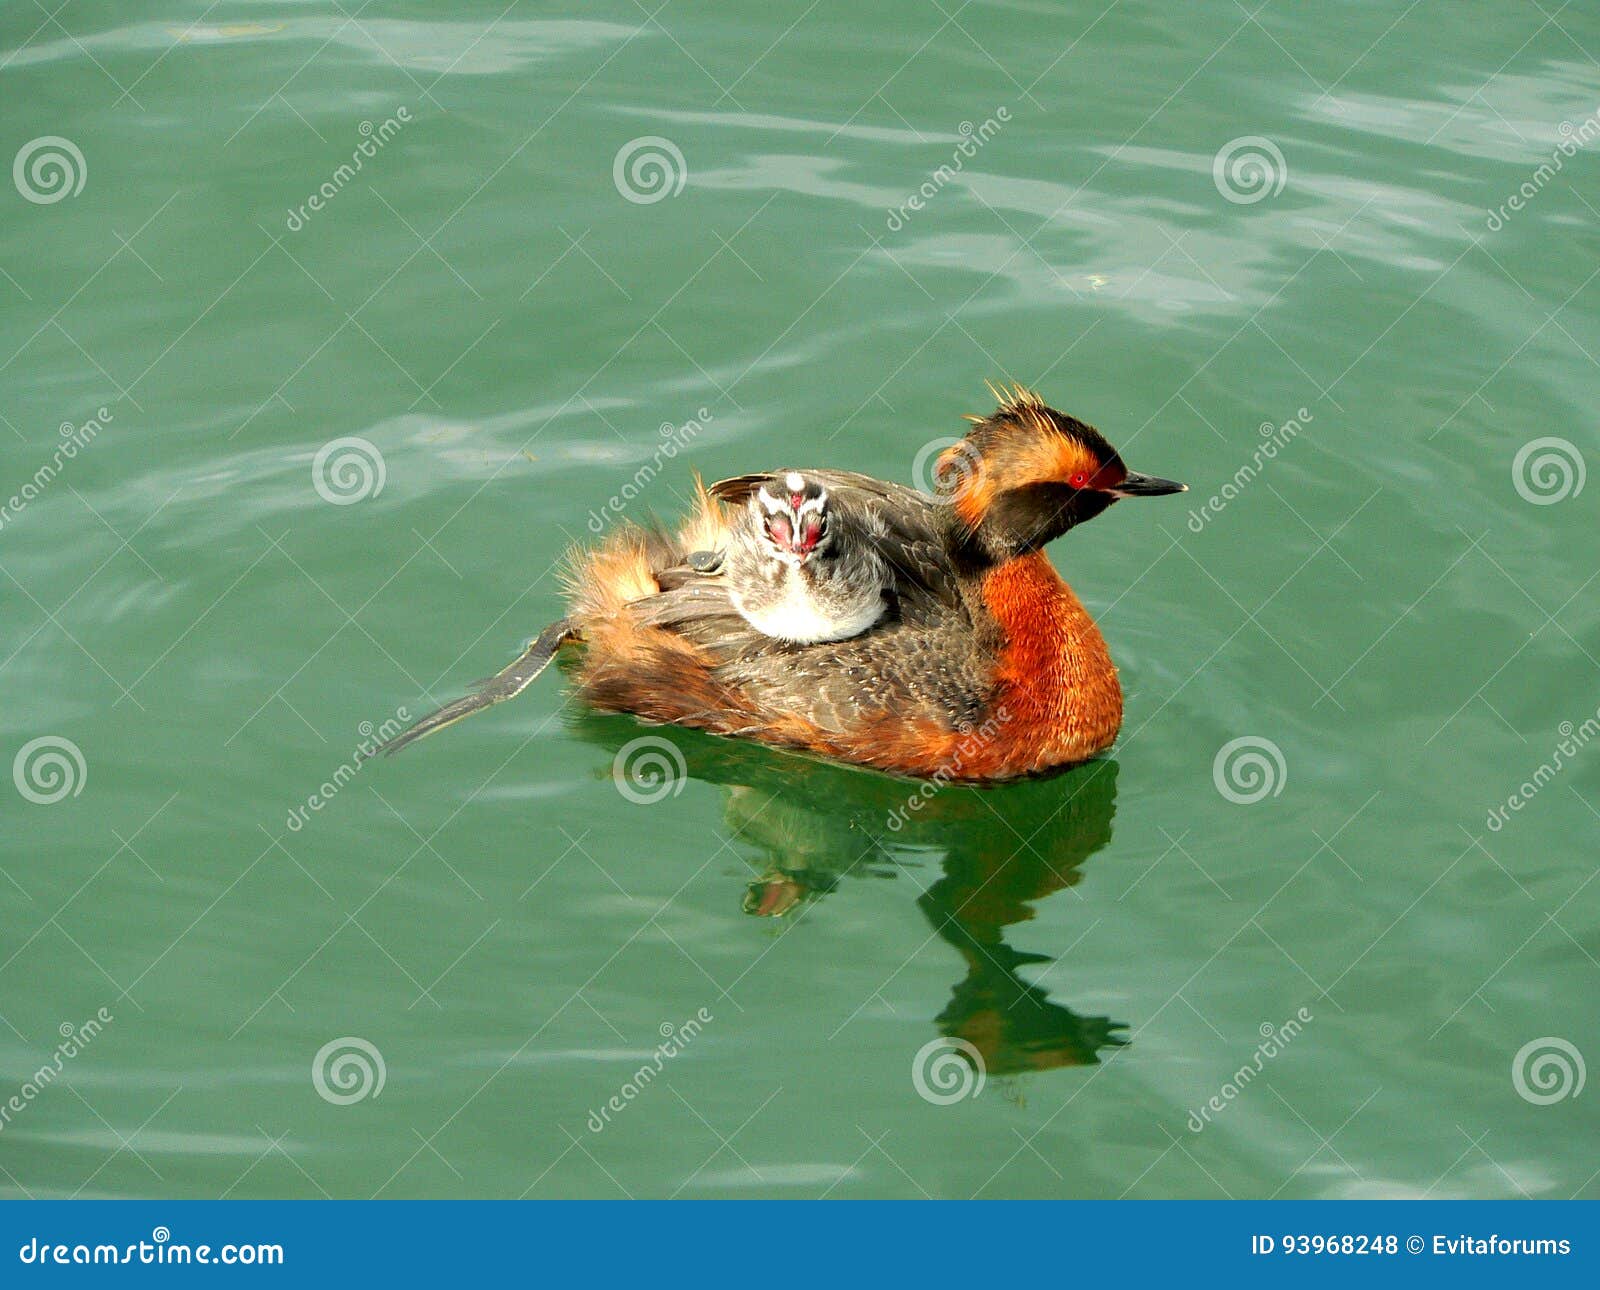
{"x": 1027, "y": 473}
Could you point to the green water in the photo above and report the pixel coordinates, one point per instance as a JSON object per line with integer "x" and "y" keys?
{"x": 1377, "y": 601}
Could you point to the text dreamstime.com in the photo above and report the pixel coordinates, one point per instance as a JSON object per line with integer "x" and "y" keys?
{"x": 674, "y": 439}
{"x": 1573, "y": 137}
{"x": 970, "y": 139}
{"x": 1274, "y": 439}
{"x": 1274, "y": 1040}
{"x": 1573, "y": 740}
{"x": 373, "y": 139}
{"x": 74, "y": 439}
{"x": 74, "y": 1039}
{"x": 160, "y": 1250}
{"x": 677, "y": 1038}
{"x": 372, "y": 739}
{"x": 973, "y": 739}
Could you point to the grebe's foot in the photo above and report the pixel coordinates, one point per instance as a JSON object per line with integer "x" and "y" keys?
{"x": 503, "y": 685}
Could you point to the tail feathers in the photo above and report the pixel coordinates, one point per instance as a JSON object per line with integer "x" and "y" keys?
{"x": 505, "y": 684}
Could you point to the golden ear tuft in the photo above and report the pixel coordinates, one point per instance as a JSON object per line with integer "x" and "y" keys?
{"x": 1018, "y": 401}
{"x": 1024, "y": 399}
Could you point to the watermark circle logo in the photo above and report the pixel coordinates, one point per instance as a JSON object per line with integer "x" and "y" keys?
{"x": 1549, "y": 470}
{"x": 348, "y": 1070}
{"x": 649, "y": 169}
{"x": 942, "y": 467}
{"x": 1548, "y": 1070}
{"x": 48, "y": 769}
{"x": 1248, "y": 769}
{"x": 49, "y": 168}
{"x": 160, "y": 1235}
{"x": 649, "y": 769}
{"x": 947, "y": 1070}
{"x": 348, "y": 470}
{"x": 1248, "y": 169}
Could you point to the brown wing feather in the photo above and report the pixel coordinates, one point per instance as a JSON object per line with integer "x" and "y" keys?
{"x": 738, "y": 490}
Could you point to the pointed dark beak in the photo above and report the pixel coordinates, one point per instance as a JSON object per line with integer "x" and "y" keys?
{"x": 1137, "y": 485}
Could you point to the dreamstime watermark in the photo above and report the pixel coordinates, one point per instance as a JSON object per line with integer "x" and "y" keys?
{"x": 649, "y": 769}
{"x": 373, "y": 139}
{"x": 947, "y": 1070}
{"x": 1548, "y": 470}
{"x": 1548, "y": 1070}
{"x": 74, "y": 1039}
{"x": 649, "y": 169}
{"x": 674, "y": 1040}
{"x": 48, "y": 769}
{"x": 1249, "y": 769}
{"x": 348, "y": 1070}
{"x": 1274, "y": 1039}
{"x": 1573, "y": 137}
{"x": 943, "y": 466}
{"x": 372, "y": 738}
{"x": 49, "y": 168}
{"x": 1274, "y": 439}
{"x": 348, "y": 470}
{"x": 74, "y": 439}
{"x": 1573, "y": 740}
{"x": 1249, "y": 169}
{"x": 160, "y": 1250}
{"x": 674, "y": 439}
{"x": 973, "y": 138}
{"x": 974, "y": 739}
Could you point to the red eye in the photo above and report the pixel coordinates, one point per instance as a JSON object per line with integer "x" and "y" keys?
{"x": 1080, "y": 479}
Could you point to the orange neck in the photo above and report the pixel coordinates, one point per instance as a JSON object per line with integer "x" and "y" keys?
{"x": 1057, "y": 686}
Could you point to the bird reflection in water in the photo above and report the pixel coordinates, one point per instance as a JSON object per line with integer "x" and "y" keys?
{"x": 1000, "y": 850}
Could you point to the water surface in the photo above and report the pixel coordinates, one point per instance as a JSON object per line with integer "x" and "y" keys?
{"x": 1183, "y": 225}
